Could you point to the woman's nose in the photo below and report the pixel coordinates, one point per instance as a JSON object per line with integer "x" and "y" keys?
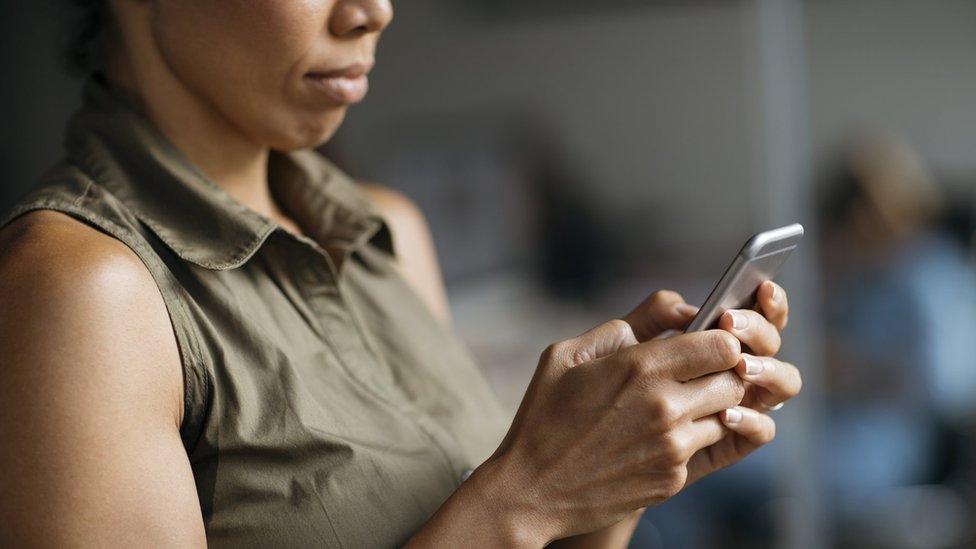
{"x": 353, "y": 17}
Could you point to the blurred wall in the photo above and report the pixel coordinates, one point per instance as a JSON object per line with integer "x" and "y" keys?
{"x": 653, "y": 104}
{"x": 908, "y": 64}
{"x": 36, "y": 97}
{"x": 656, "y": 104}
{"x": 649, "y": 104}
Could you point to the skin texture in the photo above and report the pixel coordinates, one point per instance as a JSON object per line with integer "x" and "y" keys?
{"x": 614, "y": 420}
{"x": 205, "y": 74}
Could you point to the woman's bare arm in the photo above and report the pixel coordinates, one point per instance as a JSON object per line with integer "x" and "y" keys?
{"x": 90, "y": 395}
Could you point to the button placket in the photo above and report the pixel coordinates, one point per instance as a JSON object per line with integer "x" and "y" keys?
{"x": 321, "y": 285}
{"x": 317, "y": 282}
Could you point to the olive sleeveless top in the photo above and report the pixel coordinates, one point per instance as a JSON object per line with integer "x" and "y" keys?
{"x": 324, "y": 406}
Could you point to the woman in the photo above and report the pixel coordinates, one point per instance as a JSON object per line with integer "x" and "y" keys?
{"x": 210, "y": 337}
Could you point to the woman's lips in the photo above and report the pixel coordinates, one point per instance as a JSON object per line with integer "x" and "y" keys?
{"x": 344, "y": 86}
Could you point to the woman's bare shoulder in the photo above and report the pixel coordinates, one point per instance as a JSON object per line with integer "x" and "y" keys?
{"x": 63, "y": 250}
{"x": 69, "y": 289}
{"x": 90, "y": 394}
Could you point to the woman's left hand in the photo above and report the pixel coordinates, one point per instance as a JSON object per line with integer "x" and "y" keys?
{"x": 769, "y": 382}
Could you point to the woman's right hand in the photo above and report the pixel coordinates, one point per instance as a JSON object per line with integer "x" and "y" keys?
{"x": 608, "y": 425}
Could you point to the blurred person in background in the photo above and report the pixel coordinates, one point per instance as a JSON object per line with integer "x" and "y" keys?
{"x": 901, "y": 330}
{"x": 213, "y": 336}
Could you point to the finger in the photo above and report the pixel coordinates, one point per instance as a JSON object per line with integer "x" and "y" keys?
{"x": 752, "y": 329}
{"x": 704, "y": 432}
{"x": 661, "y": 311}
{"x": 776, "y": 381}
{"x": 757, "y": 428}
{"x": 773, "y": 303}
{"x": 749, "y": 430}
{"x": 601, "y": 341}
{"x": 713, "y": 393}
{"x": 685, "y": 356}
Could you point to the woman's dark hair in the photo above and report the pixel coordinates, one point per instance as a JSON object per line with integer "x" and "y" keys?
{"x": 88, "y": 23}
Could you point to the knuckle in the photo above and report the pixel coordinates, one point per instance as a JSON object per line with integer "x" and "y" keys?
{"x": 667, "y": 484}
{"x": 547, "y": 354}
{"x": 733, "y": 386}
{"x": 554, "y": 352}
{"x": 675, "y": 482}
{"x": 675, "y": 449}
{"x": 641, "y": 368}
{"x": 725, "y": 346}
{"x": 664, "y": 412}
{"x": 622, "y": 330}
{"x": 659, "y": 297}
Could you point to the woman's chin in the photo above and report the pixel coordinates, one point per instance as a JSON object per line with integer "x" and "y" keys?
{"x": 305, "y": 134}
{"x": 311, "y": 133}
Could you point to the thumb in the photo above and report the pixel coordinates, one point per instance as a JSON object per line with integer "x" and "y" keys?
{"x": 661, "y": 311}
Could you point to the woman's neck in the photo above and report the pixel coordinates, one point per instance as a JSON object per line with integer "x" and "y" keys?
{"x": 218, "y": 148}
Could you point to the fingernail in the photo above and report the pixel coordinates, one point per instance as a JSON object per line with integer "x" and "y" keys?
{"x": 753, "y": 365}
{"x": 683, "y": 309}
{"x": 777, "y": 293}
{"x": 733, "y": 416}
{"x": 739, "y": 320}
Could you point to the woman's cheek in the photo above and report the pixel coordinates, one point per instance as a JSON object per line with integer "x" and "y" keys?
{"x": 292, "y": 26}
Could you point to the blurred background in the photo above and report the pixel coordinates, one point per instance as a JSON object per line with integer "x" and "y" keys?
{"x": 572, "y": 156}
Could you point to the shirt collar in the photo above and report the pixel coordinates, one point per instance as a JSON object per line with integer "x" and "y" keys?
{"x": 122, "y": 151}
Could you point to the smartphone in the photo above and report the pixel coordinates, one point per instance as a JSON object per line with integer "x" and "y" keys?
{"x": 759, "y": 260}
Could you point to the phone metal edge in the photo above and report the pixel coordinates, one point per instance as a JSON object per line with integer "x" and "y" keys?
{"x": 789, "y": 235}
